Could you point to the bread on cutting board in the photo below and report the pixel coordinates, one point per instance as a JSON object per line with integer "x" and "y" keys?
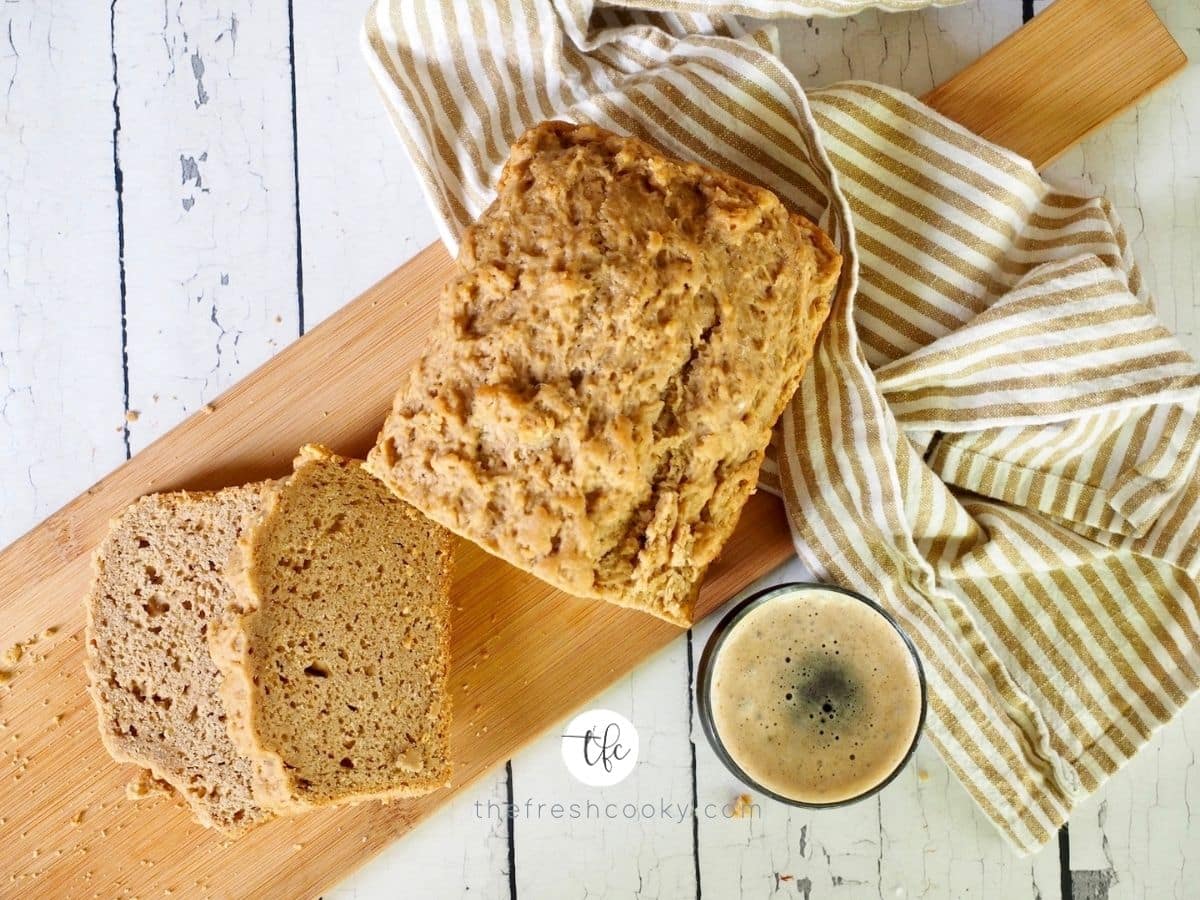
{"x": 275, "y": 647}
{"x": 336, "y": 650}
{"x": 607, "y": 366}
{"x": 158, "y": 589}
{"x": 594, "y": 407}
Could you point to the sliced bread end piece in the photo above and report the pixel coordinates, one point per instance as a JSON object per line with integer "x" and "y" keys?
{"x": 336, "y": 652}
{"x": 157, "y": 590}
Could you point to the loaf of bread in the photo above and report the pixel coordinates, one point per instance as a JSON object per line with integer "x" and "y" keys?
{"x": 158, "y": 589}
{"x": 600, "y": 387}
{"x": 335, "y": 651}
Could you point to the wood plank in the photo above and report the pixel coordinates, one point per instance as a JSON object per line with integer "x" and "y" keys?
{"x": 1058, "y": 85}
{"x": 207, "y": 194}
{"x": 1136, "y": 836}
{"x": 524, "y": 654}
{"x": 914, "y": 51}
{"x": 1145, "y": 162}
{"x": 645, "y": 852}
{"x": 1138, "y": 833}
{"x": 362, "y": 210}
{"x": 361, "y": 205}
{"x": 61, "y": 395}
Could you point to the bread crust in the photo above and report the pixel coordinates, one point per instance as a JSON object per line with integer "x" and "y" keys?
{"x": 599, "y": 391}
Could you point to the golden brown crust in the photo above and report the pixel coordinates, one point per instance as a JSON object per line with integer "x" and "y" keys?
{"x": 227, "y": 644}
{"x": 608, "y": 363}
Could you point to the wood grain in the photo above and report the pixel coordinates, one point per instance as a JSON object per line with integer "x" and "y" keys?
{"x": 524, "y": 654}
{"x": 1077, "y": 65}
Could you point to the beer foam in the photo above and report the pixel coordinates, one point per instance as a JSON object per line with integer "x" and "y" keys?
{"x": 815, "y": 696}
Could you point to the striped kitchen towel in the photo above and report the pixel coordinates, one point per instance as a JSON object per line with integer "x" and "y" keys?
{"x": 995, "y": 437}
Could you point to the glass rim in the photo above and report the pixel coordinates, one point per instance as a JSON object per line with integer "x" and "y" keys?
{"x": 716, "y": 641}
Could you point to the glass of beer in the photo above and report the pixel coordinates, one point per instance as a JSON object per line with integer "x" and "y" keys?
{"x": 811, "y": 694}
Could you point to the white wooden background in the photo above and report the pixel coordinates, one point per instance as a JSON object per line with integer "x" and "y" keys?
{"x": 186, "y": 186}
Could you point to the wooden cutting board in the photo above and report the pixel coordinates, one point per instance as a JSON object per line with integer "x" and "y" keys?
{"x": 525, "y": 655}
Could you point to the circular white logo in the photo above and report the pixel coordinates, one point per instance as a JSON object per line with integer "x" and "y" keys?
{"x": 600, "y": 747}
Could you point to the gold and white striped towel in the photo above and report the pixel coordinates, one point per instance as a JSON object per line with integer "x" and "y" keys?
{"x": 995, "y": 437}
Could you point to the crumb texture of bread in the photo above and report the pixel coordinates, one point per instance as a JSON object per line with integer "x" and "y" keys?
{"x": 336, "y": 650}
{"x": 607, "y": 366}
{"x": 157, "y": 591}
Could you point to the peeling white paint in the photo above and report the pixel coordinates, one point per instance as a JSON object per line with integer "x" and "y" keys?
{"x": 61, "y": 396}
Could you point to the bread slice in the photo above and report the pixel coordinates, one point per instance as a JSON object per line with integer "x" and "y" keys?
{"x": 336, "y": 653}
{"x": 158, "y": 589}
{"x": 607, "y": 365}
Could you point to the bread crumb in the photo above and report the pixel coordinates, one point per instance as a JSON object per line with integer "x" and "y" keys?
{"x": 77, "y": 819}
{"x": 144, "y": 785}
{"x": 50, "y": 632}
{"x": 13, "y": 654}
{"x": 922, "y": 775}
{"x": 210, "y": 407}
{"x": 6, "y": 676}
{"x": 410, "y": 760}
{"x": 297, "y": 847}
{"x": 132, "y": 415}
{"x": 743, "y": 807}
